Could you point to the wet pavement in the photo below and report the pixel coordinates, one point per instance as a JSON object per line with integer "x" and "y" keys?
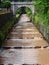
{"x": 24, "y": 45}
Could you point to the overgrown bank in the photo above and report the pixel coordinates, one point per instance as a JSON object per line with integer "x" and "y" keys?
{"x": 41, "y": 17}
{"x": 4, "y": 31}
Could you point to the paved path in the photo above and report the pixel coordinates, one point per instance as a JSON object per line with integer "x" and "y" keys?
{"x": 24, "y": 45}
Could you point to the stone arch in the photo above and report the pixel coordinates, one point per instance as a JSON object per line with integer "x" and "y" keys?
{"x": 14, "y": 7}
{"x": 23, "y": 7}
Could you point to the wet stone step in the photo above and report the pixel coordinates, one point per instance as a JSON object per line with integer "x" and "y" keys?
{"x": 20, "y": 64}
{"x": 27, "y": 47}
{"x": 6, "y": 47}
{"x": 31, "y": 64}
{"x": 25, "y": 42}
{"x": 6, "y": 64}
{"x": 34, "y": 47}
{"x": 45, "y": 46}
{"x": 25, "y": 23}
{"x": 24, "y": 27}
{"x": 24, "y": 35}
{"x": 24, "y": 45}
{"x": 12, "y": 47}
{"x": 25, "y": 30}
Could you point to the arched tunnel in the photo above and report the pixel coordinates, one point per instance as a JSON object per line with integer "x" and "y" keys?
{"x": 24, "y": 10}
{"x": 24, "y": 45}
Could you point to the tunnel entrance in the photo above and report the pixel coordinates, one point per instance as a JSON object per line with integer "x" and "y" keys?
{"x": 24, "y": 10}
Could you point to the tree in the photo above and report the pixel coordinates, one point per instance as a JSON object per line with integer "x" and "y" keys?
{"x": 6, "y": 0}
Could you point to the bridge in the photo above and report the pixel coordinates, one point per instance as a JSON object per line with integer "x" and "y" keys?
{"x": 16, "y": 5}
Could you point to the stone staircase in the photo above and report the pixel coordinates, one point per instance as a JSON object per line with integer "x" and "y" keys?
{"x": 24, "y": 45}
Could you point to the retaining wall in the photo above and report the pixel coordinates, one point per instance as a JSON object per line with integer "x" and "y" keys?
{"x": 43, "y": 29}
{"x": 4, "y": 18}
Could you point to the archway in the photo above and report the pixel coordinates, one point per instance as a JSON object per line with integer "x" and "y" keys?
{"x": 24, "y": 10}
{"x": 16, "y": 5}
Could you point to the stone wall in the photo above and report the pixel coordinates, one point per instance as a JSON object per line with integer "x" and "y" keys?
{"x": 4, "y": 18}
{"x": 43, "y": 29}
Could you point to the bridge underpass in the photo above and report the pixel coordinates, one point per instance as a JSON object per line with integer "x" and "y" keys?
{"x": 24, "y": 45}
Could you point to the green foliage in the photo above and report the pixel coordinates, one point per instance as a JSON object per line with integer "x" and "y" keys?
{"x": 29, "y": 12}
{"x": 42, "y": 9}
{"x": 37, "y": 19}
{"x": 5, "y": 5}
{"x": 6, "y": 0}
{"x": 17, "y": 15}
{"x": 48, "y": 32}
{"x": 18, "y": 11}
